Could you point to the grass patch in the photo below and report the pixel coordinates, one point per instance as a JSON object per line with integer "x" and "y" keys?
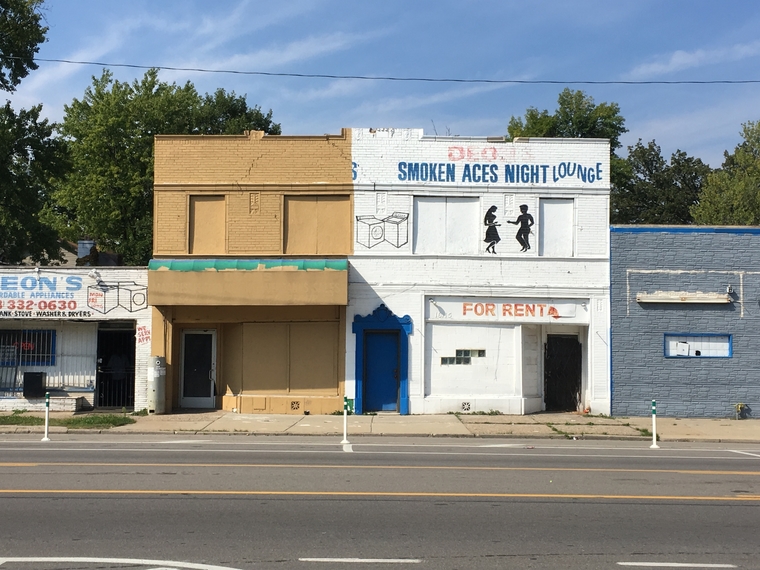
{"x": 89, "y": 421}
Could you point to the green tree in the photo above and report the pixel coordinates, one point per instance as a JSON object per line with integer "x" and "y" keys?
{"x": 29, "y": 158}
{"x": 21, "y": 33}
{"x": 576, "y": 116}
{"x": 655, "y": 192}
{"x": 731, "y": 195}
{"x": 108, "y": 193}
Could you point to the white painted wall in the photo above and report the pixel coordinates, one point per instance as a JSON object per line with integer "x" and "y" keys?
{"x": 446, "y": 262}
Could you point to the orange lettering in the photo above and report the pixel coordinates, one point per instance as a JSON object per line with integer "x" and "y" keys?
{"x": 519, "y": 310}
{"x": 479, "y": 309}
{"x": 554, "y": 312}
{"x": 466, "y": 307}
{"x": 541, "y": 309}
{"x": 491, "y": 309}
{"x": 506, "y": 310}
{"x": 530, "y": 310}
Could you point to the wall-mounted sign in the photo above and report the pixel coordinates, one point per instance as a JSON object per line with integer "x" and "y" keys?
{"x": 73, "y": 294}
{"x": 476, "y": 309}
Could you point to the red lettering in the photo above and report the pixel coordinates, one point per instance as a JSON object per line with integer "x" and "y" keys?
{"x": 554, "y": 312}
{"x": 466, "y": 307}
{"x": 456, "y": 153}
{"x": 519, "y": 310}
{"x": 541, "y": 309}
{"x": 506, "y": 310}
{"x": 530, "y": 310}
{"x": 491, "y": 309}
{"x": 479, "y": 309}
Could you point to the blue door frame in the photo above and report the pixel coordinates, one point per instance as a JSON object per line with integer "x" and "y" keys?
{"x": 383, "y": 319}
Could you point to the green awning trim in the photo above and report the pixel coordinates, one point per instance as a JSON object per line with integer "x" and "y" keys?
{"x": 247, "y": 264}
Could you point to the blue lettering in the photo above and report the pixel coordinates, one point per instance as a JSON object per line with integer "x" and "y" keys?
{"x": 509, "y": 173}
{"x": 424, "y": 172}
{"x": 476, "y": 176}
{"x": 494, "y": 172}
{"x": 598, "y": 171}
{"x": 524, "y": 173}
{"x": 412, "y": 170}
{"x": 450, "y": 173}
{"x": 591, "y": 177}
{"x": 467, "y": 174}
{"x": 562, "y": 170}
{"x": 73, "y": 283}
{"x": 49, "y": 283}
{"x": 402, "y": 171}
{"x": 29, "y": 283}
{"x": 544, "y": 168}
{"x": 8, "y": 283}
{"x": 534, "y": 174}
{"x": 582, "y": 172}
{"x": 353, "y": 170}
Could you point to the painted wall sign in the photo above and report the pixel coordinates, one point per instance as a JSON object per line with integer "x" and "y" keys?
{"x": 393, "y": 156}
{"x": 505, "y": 310}
{"x": 48, "y": 294}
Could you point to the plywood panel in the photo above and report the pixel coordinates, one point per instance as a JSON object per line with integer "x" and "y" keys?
{"x": 300, "y": 225}
{"x": 463, "y": 222}
{"x": 313, "y": 358}
{"x": 207, "y": 225}
{"x": 556, "y": 225}
{"x": 333, "y": 225}
{"x": 265, "y": 358}
{"x": 429, "y": 225}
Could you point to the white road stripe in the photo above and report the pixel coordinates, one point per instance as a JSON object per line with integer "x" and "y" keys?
{"x": 364, "y": 560}
{"x": 140, "y": 561}
{"x": 675, "y": 565}
{"x": 744, "y": 452}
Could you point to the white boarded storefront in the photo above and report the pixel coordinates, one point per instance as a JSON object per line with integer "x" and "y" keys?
{"x": 480, "y": 274}
{"x": 82, "y": 334}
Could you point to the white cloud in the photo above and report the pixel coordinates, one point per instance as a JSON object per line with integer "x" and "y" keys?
{"x": 682, "y": 60}
{"x": 400, "y": 104}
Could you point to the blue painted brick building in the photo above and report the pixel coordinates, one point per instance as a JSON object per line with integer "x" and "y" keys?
{"x": 685, "y": 320}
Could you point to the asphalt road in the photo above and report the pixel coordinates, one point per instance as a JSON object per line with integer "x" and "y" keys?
{"x": 308, "y": 503}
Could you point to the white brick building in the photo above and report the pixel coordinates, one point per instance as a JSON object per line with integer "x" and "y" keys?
{"x": 436, "y": 321}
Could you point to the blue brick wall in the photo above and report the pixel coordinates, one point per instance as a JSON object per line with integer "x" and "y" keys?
{"x": 650, "y": 259}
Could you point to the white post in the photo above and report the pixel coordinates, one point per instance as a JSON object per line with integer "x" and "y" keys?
{"x": 47, "y": 416}
{"x": 345, "y": 420}
{"x": 654, "y": 426}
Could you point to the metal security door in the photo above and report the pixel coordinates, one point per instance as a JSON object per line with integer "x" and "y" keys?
{"x": 562, "y": 373}
{"x": 381, "y": 374}
{"x": 198, "y": 369}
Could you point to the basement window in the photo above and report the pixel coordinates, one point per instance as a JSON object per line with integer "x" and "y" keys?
{"x": 698, "y": 346}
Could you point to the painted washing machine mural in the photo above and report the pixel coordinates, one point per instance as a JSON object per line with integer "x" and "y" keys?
{"x": 393, "y": 229}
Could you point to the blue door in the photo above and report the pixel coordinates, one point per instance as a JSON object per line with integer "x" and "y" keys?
{"x": 381, "y": 371}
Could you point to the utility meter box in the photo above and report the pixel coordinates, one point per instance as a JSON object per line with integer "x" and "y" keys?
{"x": 157, "y": 385}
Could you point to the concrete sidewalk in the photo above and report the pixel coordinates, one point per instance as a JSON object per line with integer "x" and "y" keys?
{"x": 542, "y": 425}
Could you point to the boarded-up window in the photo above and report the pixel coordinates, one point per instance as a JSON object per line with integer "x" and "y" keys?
{"x": 446, "y": 225}
{"x": 556, "y": 222}
{"x": 317, "y": 225}
{"x": 207, "y": 225}
{"x": 290, "y": 358}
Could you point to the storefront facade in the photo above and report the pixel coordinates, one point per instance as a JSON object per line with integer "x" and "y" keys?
{"x": 479, "y": 280}
{"x": 685, "y": 322}
{"x": 250, "y": 273}
{"x": 82, "y": 334}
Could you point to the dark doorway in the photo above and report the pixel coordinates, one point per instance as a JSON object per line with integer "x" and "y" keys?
{"x": 563, "y": 358}
{"x": 115, "y": 386}
{"x": 381, "y": 373}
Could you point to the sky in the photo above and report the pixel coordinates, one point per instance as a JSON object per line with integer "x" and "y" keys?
{"x": 565, "y": 41}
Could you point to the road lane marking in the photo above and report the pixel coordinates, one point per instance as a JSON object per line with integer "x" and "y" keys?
{"x": 364, "y": 560}
{"x": 744, "y": 452}
{"x": 675, "y": 565}
{"x": 140, "y": 561}
{"x": 404, "y": 494}
{"x": 392, "y": 467}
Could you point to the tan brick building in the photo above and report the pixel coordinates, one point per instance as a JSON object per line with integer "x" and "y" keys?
{"x": 249, "y": 280}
